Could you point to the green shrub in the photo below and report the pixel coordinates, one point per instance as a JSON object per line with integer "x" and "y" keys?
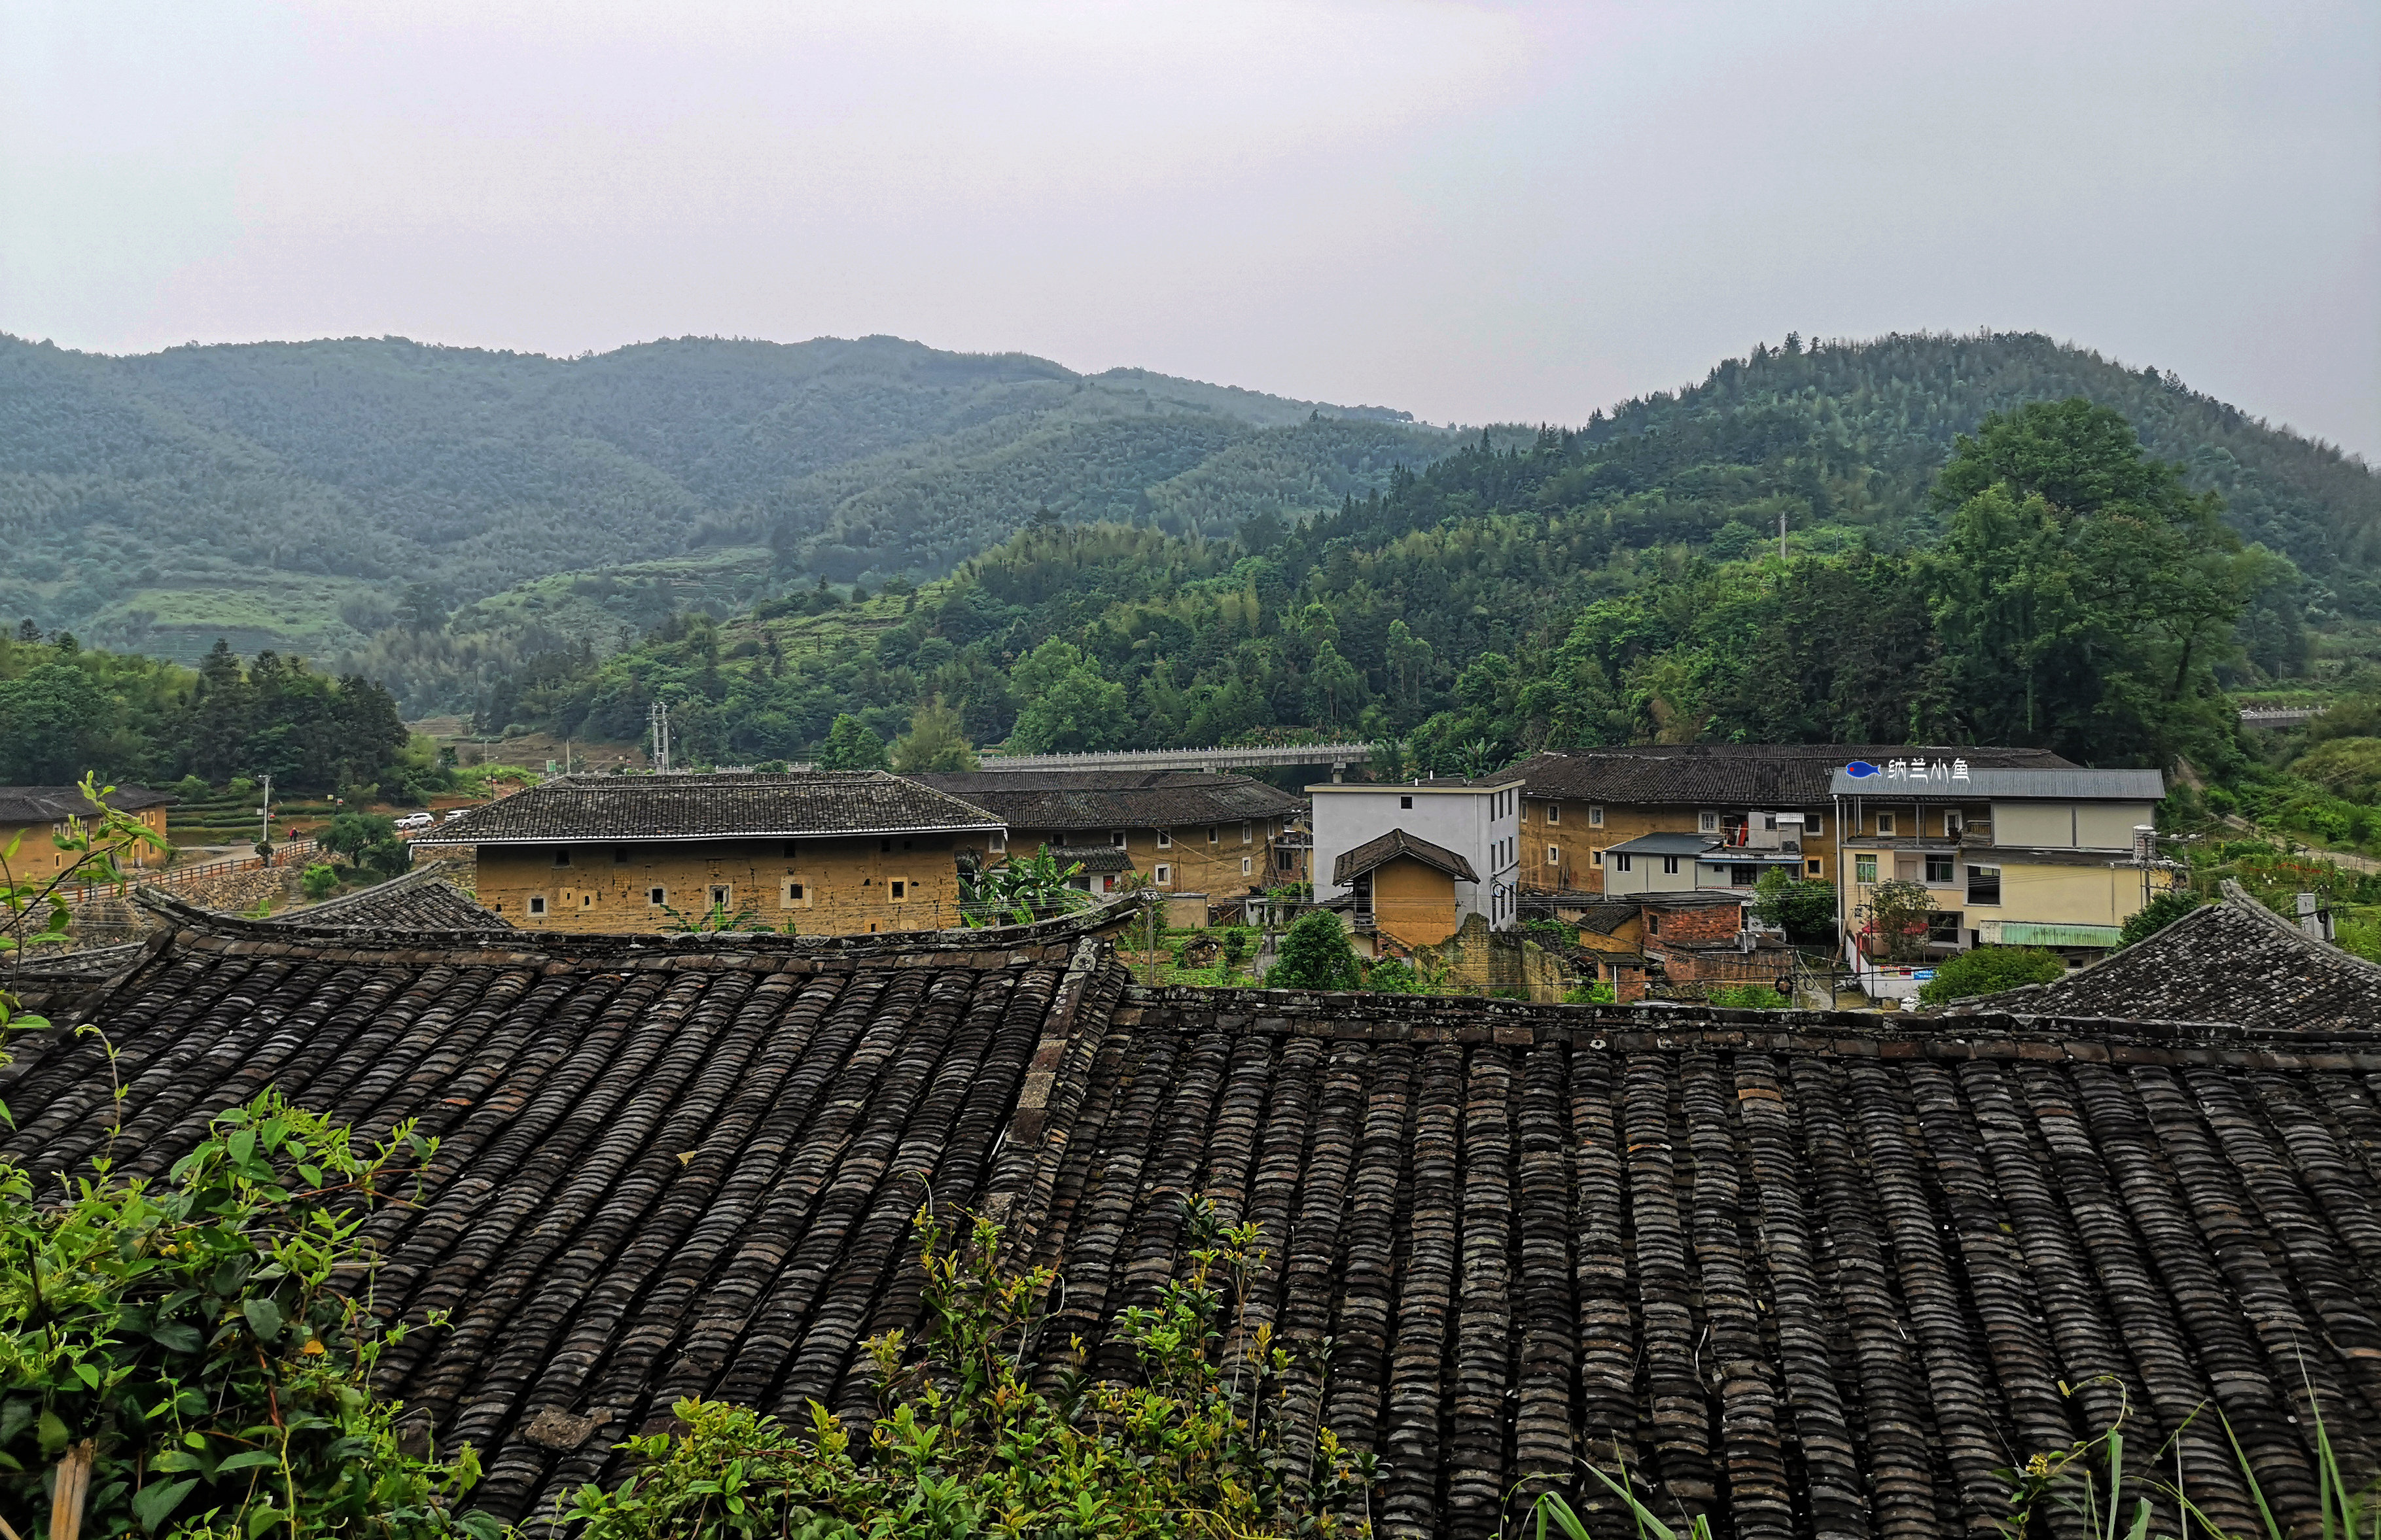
{"x": 2154, "y": 916}
{"x": 186, "y": 1348}
{"x": 320, "y": 882}
{"x": 1749, "y": 997}
{"x": 963, "y": 1445}
{"x": 1593, "y": 993}
{"x": 1392, "y": 976}
{"x": 1315, "y": 955}
{"x": 1988, "y": 970}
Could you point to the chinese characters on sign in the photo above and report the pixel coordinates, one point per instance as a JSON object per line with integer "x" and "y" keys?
{"x": 1919, "y": 770}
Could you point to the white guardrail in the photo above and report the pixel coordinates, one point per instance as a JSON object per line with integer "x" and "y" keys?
{"x": 1337, "y": 755}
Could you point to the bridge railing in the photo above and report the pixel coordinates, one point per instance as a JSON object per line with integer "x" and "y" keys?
{"x": 1188, "y": 759}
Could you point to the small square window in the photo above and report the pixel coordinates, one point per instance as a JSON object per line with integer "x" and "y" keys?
{"x": 1620, "y": 862}
{"x": 1162, "y": 875}
{"x": 1669, "y": 866}
{"x": 884, "y": 847}
{"x": 1707, "y": 823}
{"x": 794, "y": 894}
{"x": 722, "y": 895}
{"x": 1814, "y": 824}
{"x": 562, "y": 858}
{"x": 1595, "y": 858}
{"x": 1247, "y": 865}
{"x": 901, "y": 889}
{"x": 1554, "y": 813}
{"x": 1863, "y": 868}
{"x": 999, "y": 841}
{"x": 1116, "y": 840}
{"x": 1248, "y": 833}
{"x": 1984, "y": 885}
{"x": 793, "y": 847}
{"x": 620, "y": 855}
{"x": 1595, "y": 818}
{"x": 657, "y": 897}
{"x": 1166, "y": 839}
{"x": 1811, "y": 867}
{"x": 1212, "y": 838}
{"x": 1405, "y": 802}
{"x": 1553, "y": 855}
{"x": 1938, "y": 868}
{"x": 537, "y": 905}
{"x": 1884, "y": 824}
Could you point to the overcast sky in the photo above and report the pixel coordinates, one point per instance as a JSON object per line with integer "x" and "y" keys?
{"x": 1473, "y": 210}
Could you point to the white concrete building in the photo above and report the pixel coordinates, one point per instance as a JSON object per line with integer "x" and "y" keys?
{"x": 1479, "y": 820}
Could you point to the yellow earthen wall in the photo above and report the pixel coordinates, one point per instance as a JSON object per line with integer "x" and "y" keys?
{"x": 847, "y": 884}
{"x": 1577, "y": 838}
{"x": 1194, "y": 865}
{"x": 38, "y": 858}
{"x": 1414, "y": 904}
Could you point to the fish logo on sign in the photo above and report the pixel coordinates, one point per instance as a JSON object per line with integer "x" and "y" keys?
{"x": 1861, "y": 770}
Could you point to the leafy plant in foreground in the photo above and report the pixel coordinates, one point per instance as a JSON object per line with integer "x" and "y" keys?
{"x": 178, "y": 1360}
{"x": 965, "y": 1442}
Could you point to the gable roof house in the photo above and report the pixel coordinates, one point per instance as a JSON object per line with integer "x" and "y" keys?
{"x": 30, "y": 814}
{"x": 831, "y": 852}
{"x": 1771, "y": 800}
{"x": 1811, "y": 1274}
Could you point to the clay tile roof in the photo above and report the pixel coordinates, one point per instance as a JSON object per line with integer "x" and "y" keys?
{"x": 422, "y": 900}
{"x": 1606, "y": 918}
{"x": 617, "y": 808}
{"x": 1813, "y": 1274}
{"x": 2234, "y": 960}
{"x": 1382, "y": 850}
{"x": 1733, "y": 775}
{"x": 1093, "y": 858}
{"x": 1114, "y": 799}
{"x": 49, "y": 804}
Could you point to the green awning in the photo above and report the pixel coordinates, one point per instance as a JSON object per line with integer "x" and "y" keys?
{"x": 2018, "y": 934}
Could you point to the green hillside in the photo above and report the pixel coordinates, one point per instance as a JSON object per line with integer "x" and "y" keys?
{"x": 1620, "y": 582}
{"x": 312, "y": 496}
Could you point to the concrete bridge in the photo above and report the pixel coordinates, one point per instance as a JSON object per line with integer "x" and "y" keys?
{"x": 2278, "y": 716}
{"x": 1337, "y": 755}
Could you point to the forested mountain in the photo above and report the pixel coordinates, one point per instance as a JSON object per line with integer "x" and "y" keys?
{"x": 308, "y": 495}
{"x": 2055, "y": 586}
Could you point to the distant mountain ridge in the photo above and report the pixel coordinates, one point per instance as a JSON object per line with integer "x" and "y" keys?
{"x": 306, "y": 495}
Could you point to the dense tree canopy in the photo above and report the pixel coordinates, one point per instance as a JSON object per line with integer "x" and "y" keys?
{"x": 1472, "y": 615}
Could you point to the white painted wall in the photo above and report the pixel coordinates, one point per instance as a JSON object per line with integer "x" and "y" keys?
{"x": 1481, "y": 822}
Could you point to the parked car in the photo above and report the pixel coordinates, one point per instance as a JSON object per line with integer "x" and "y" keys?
{"x": 455, "y": 812}
{"x": 416, "y": 821}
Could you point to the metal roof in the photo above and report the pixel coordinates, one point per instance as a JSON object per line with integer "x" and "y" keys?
{"x": 1942, "y": 782}
{"x": 1663, "y": 844}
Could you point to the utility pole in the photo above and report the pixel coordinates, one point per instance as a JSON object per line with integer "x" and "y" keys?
{"x": 1781, "y": 534}
{"x": 659, "y": 717}
{"x": 265, "y": 821}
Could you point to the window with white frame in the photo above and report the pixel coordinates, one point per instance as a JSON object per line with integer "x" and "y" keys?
{"x": 1248, "y": 833}
{"x": 999, "y": 841}
{"x": 537, "y": 904}
{"x": 657, "y": 897}
{"x": 1116, "y": 840}
{"x": 899, "y": 887}
{"x": 794, "y": 893}
{"x": 1620, "y": 861}
{"x": 1707, "y": 823}
{"x": 1884, "y": 824}
{"x": 1553, "y": 855}
{"x": 1554, "y": 813}
{"x": 1247, "y": 865}
{"x": 1162, "y": 874}
{"x": 1166, "y": 839}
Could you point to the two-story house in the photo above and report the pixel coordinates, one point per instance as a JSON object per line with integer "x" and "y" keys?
{"x": 1579, "y": 803}
{"x": 34, "y": 814}
{"x": 2009, "y": 857}
{"x": 823, "y": 853}
{"x": 1464, "y": 825}
{"x": 1188, "y": 831}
